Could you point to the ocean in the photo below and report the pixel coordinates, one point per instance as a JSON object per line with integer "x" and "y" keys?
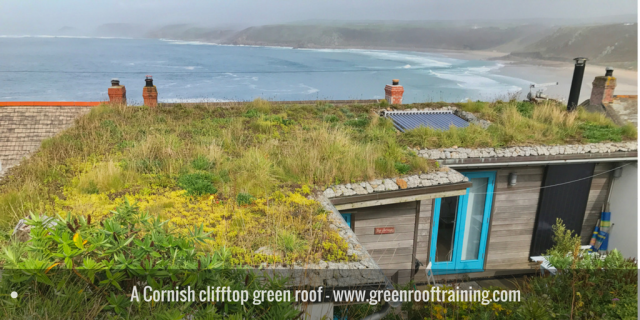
{"x": 47, "y": 68}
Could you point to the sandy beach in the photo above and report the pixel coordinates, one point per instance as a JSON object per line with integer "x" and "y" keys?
{"x": 544, "y": 72}
{"x": 541, "y": 71}
{"x": 536, "y": 71}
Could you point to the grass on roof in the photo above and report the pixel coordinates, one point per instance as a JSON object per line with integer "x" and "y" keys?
{"x": 242, "y": 172}
{"x": 517, "y": 123}
{"x": 245, "y": 172}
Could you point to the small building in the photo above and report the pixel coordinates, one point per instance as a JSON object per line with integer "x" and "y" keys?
{"x": 498, "y": 215}
{"x": 490, "y": 209}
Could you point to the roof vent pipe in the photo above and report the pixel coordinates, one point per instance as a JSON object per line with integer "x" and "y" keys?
{"x": 148, "y": 81}
{"x": 576, "y": 83}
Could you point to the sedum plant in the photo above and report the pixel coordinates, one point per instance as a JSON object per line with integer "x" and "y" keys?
{"x": 78, "y": 268}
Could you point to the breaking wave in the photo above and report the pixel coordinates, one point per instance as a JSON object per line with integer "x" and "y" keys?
{"x": 310, "y": 90}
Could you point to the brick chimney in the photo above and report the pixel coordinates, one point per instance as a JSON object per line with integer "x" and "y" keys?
{"x": 393, "y": 92}
{"x": 603, "y": 87}
{"x": 117, "y": 93}
{"x": 150, "y": 93}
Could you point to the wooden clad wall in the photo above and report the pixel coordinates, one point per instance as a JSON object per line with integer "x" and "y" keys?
{"x": 510, "y": 234}
{"x": 423, "y": 240}
{"x": 597, "y": 198}
{"x": 424, "y": 231}
{"x": 392, "y": 252}
{"x": 513, "y": 218}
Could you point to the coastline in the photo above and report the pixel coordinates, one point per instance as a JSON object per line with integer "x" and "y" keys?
{"x": 528, "y": 70}
{"x": 514, "y": 70}
{"x": 541, "y": 71}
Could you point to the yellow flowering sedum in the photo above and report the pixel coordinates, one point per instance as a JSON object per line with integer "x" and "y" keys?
{"x": 242, "y": 229}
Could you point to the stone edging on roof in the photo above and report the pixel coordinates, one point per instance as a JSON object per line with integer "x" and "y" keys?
{"x": 526, "y": 151}
{"x": 444, "y": 176}
{"x": 363, "y": 272}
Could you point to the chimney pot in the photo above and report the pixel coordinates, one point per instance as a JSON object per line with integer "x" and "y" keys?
{"x": 609, "y": 72}
{"x": 115, "y": 82}
{"x": 395, "y": 82}
{"x": 148, "y": 81}
{"x": 580, "y": 61}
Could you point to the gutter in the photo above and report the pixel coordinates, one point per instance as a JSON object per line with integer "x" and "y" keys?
{"x": 535, "y": 163}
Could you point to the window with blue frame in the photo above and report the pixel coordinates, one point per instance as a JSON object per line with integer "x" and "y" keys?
{"x": 347, "y": 218}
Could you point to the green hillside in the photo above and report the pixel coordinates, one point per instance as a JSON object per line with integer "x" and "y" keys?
{"x": 614, "y": 44}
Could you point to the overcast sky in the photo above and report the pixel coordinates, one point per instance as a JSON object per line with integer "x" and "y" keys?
{"x": 42, "y": 16}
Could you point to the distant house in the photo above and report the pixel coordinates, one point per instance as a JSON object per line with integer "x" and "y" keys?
{"x": 621, "y": 109}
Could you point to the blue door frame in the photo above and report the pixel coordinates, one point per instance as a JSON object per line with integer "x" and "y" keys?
{"x": 457, "y": 265}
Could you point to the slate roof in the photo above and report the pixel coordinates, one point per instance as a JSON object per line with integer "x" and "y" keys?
{"x": 623, "y": 109}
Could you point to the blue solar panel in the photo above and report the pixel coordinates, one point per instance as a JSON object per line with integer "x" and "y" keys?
{"x": 440, "y": 120}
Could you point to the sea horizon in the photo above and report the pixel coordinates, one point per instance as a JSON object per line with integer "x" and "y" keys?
{"x": 187, "y": 72}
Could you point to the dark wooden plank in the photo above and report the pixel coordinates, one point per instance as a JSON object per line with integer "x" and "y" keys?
{"x": 526, "y": 202}
{"x": 521, "y": 186}
{"x": 415, "y": 230}
{"x": 511, "y": 245}
{"x": 524, "y": 178}
{"x": 365, "y": 240}
{"x": 509, "y": 261}
{"x": 389, "y": 244}
{"x": 509, "y": 255}
{"x": 391, "y": 213}
{"x": 366, "y": 230}
{"x": 386, "y": 222}
{"x": 515, "y": 210}
{"x": 516, "y": 226}
{"x": 521, "y": 171}
{"x": 513, "y": 232}
{"x": 509, "y": 196}
{"x": 510, "y": 238}
{"x": 386, "y": 260}
{"x": 400, "y": 251}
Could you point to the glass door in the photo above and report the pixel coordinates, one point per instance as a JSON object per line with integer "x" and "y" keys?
{"x": 461, "y": 226}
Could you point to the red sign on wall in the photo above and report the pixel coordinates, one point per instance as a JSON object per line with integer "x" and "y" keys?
{"x": 385, "y": 230}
